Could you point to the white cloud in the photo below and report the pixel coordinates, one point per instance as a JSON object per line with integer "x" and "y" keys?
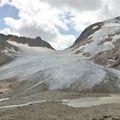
{"x": 37, "y": 18}
{"x": 3, "y": 2}
{"x": 82, "y": 20}
{"x": 63, "y": 41}
{"x": 7, "y": 31}
{"x": 110, "y": 9}
{"x": 45, "y": 17}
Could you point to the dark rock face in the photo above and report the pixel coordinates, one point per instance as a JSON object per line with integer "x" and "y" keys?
{"x": 4, "y": 58}
{"x": 3, "y": 41}
{"x": 109, "y": 58}
{"x": 30, "y": 41}
{"x": 4, "y": 44}
{"x": 87, "y": 32}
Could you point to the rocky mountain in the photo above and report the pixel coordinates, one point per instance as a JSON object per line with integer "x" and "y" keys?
{"x": 92, "y": 63}
{"x": 8, "y": 51}
{"x": 101, "y": 42}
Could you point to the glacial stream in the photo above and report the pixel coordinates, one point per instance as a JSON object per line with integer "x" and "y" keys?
{"x": 92, "y": 101}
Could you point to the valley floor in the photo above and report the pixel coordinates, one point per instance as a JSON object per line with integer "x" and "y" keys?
{"x": 48, "y": 105}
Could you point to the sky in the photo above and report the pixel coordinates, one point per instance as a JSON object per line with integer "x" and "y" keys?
{"x": 58, "y": 22}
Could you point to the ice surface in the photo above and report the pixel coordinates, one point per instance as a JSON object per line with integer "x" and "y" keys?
{"x": 56, "y": 69}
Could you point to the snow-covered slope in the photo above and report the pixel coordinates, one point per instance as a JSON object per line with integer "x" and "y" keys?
{"x": 71, "y": 69}
{"x": 98, "y": 37}
{"x": 58, "y": 70}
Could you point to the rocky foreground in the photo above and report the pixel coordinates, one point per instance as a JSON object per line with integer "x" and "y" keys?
{"x": 53, "y": 105}
{"x": 55, "y": 110}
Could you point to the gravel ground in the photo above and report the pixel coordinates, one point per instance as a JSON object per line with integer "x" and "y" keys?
{"x": 54, "y": 110}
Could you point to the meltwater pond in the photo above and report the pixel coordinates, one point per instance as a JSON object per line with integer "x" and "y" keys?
{"x": 92, "y": 101}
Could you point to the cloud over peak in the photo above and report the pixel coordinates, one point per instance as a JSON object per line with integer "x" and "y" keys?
{"x": 47, "y": 18}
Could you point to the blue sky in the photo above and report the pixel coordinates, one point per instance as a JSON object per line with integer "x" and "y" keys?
{"x": 7, "y": 11}
{"x": 71, "y": 30}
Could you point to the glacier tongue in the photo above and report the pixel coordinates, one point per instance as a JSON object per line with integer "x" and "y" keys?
{"x": 57, "y": 70}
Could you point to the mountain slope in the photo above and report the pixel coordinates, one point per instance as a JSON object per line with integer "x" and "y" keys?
{"x": 8, "y": 51}
{"x": 102, "y": 36}
{"x": 39, "y": 67}
{"x": 101, "y": 42}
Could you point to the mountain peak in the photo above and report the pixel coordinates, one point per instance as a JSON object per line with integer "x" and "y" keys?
{"x": 38, "y": 42}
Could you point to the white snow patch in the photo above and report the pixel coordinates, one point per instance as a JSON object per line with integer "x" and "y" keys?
{"x": 95, "y": 27}
{"x": 4, "y": 99}
{"x": 116, "y": 37}
{"x": 112, "y": 24}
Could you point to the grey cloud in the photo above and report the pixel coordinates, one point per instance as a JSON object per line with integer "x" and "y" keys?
{"x": 34, "y": 31}
{"x": 110, "y": 9}
{"x": 82, "y": 5}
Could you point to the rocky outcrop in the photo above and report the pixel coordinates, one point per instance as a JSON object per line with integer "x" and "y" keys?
{"x": 109, "y": 58}
{"x": 30, "y": 41}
